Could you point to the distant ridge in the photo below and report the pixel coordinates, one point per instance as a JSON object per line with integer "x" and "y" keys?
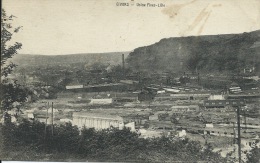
{"x": 112, "y": 58}
{"x": 209, "y": 53}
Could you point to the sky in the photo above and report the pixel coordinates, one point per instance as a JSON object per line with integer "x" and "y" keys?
{"x": 54, "y": 27}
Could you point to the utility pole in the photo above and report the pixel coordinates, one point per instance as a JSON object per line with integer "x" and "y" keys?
{"x": 236, "y": 104}
{"x": 52, "y": 118}
{"x": 235, "y": 137}
{"x": 45, "y": 132}
{"x": 245, "y": 120}
{"x": 123, "y": 65}
{"x": 238, "y": 133}
{"x": 46, "y": 120}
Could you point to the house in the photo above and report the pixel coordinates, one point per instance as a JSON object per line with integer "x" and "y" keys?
{"x": 103, "y": 101}
{"x": 154, "y": 117}
{"x": 79, "y": 86}
{"x": 130, "y": 126}
{"x": 74, "y": 85}
{"x": 171, "y": 90}
{"x": 216, "y": 97}
{"x": 182, "y": 133}
{"x": 187, "y": 108}
{"x": 234, "y": 88}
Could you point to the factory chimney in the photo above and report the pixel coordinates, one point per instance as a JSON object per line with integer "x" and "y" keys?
{"x": 123, "y": 62}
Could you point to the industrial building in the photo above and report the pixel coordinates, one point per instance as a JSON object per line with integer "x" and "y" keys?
{"x": 100, "y": 121}
{"x": 222, "y": 103}
{"x": 96, "y": 120}
{"x": 187, "y": 108}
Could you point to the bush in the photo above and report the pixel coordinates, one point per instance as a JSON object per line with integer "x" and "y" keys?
{"x": 254, "y": 155}
{"x": 103, "y": 145}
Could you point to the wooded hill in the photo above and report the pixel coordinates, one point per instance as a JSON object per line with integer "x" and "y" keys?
{"x": 229, "y": 53}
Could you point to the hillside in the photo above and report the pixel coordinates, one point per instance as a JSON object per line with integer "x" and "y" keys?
{"x": 212, "y": 53}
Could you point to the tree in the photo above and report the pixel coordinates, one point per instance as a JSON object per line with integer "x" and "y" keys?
{"x": 11, "y": 92}
{"x": 254, "y": 155}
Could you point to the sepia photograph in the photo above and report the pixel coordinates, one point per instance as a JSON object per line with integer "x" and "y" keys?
{"x": 142, "y": 81}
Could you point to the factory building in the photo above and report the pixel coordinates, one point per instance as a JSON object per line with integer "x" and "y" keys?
{"x": 105, "y": 101}
{"x": 96, "y": 120}
{"x": 222, "y": 103}
{"x": 187, "y": 108}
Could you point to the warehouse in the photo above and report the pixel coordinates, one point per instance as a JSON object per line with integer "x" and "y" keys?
{"x": 96, "y": 120}
{"x": 222, "y": 103}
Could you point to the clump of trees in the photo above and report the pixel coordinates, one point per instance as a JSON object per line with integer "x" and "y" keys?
{"x": 11, "y": 91}
{"x": 37, "y": 140}
{"x": 254, "y": 155}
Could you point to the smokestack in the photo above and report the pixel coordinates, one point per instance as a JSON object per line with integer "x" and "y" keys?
{"x": 198, "y": 78}
{"x": 123, "y": 62}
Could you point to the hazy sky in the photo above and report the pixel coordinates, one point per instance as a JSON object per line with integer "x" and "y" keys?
{"x": 93, "y": 26}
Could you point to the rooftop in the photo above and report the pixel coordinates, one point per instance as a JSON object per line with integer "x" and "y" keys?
{"x": 97, "y": 116}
